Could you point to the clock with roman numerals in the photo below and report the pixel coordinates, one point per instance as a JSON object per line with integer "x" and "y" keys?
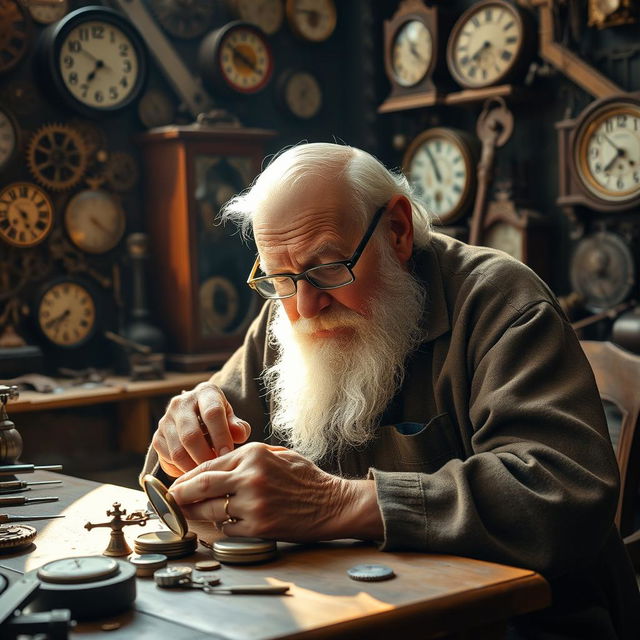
{"x": 26, "y": 214}
{"x": 491, "y": 43}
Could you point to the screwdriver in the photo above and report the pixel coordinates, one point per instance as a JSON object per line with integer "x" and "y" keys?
{"x": 20, "y": 485}
{"x": 12, "y": 501}
{"x": 9, "y": 517}
{"x": 10, "y": 469}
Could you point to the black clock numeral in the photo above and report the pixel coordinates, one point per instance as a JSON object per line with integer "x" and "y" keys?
{"x": 67, "y": 61}
{"x": 113, "y": 93}
{"x": 464, "y": 61}
{"x": 84, "y": 89}
{"x": 24, "y": 191}
{"x": 12, "y": 194}
{"x": 83, "y": 33}
{"x": 597, "y": 167}
{"x": 98, "y": 96}
{"x": 124, "y": 49}
{"x": 72, "y": 78}
{"x": 97, "y": 32}
{"x": 75, "y": 46}
{"x": 476, "y": 21}
{"x": 620, "y": 183}
{"x": 594, "y": 152}
{"x": 124, "y": 82}
{"x": 506, "y": 55}
{"x": 636, "y": 177}
{"x": 622, "y": 121}
{"x": 608, "y": 126}
{"x": 126, "y": 66}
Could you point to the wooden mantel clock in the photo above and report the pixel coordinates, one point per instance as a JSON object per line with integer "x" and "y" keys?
{"x": 199, "y": 267}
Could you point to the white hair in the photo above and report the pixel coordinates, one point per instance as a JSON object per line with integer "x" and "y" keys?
{"x": 368, "y": 181}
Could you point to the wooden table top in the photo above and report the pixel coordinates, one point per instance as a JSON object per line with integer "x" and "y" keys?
{"x": 430, "y": 595}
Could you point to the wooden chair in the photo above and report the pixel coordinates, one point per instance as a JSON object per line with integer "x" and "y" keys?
{"x": 617, "y": 374}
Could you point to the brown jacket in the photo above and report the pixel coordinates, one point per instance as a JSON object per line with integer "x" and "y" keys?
{"x": 495, "y": 447}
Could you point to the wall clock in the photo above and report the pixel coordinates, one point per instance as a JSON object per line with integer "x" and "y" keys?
{"x": 491, "y": 43}
{"x": 236, "y": 59}
{"x": 604, "y": 14}
{"x": 9, "y": 138}
{"x": 183, "y": 19}
{"x": 26, "y": 214}
{"x": 600, "y": 155}
{"x": 300, "y": 93}
{"x": 266, "y": 14}
{"x": 15, "y": 33}
{"x": 95, "y": 60}
{"x": 48, "y": 12}
{"x": 440, "y": 164}
{"x": 311, "y": 20}
{"x": 200, "y": 268}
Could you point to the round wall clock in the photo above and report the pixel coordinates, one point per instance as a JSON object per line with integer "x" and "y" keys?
{"x": 95, "y": 59}
{"x": 606, "y": 151}
{"x": 266, "y": 14}
{"x": 491, "y": 43}
{"x": 9, "y": 137}
{"x": 15, "y": 33}
{"x": 312, "y": 20}
{"x": 300, "y": 93}
{"x": 67, "y": 312}
{"x": 236, "y": 58}
{"x": 440, "y": 164}
{"x": 183, "y": 19}
{"x": 46, "y": 13}
{"x": 26, "y": 214}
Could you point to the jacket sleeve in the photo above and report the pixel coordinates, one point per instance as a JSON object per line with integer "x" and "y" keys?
{"x": 541, "y": 485}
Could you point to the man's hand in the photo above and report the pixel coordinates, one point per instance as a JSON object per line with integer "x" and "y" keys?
{"x": 275, "y": 493}
{"x": 198, "y": 425}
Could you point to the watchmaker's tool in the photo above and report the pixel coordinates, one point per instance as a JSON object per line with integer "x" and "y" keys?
{"x": 14, "y": 501}
{"x": 370, "y": 573}
{"x": 11, "y": 469}
{"x": 10, "y": 517}
{"x": 10, "y": 438}
{"x": 16, "y": 537}
{"x": 147, "y": 563}
{"x": 117, "y": 544}
{"x": 9, "y": 486}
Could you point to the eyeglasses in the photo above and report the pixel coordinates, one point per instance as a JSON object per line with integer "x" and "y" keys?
{"x": 332, "y": 275}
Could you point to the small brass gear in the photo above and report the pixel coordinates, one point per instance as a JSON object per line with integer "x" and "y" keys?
{"x": 122, "y": 171}
{"x": 94, "y": 138}
{"x": 17, "y": 536}
{"x": 57, "y": 156}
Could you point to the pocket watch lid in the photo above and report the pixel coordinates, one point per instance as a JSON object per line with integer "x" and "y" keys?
{"x": 164, "y": 505}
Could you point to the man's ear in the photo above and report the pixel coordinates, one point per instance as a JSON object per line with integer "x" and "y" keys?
{"x": 401, "y": 227}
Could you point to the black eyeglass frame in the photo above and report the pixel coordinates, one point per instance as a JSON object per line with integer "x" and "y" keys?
{"x": 350, "y": 264}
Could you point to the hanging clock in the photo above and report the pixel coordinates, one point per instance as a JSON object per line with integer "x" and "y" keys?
{"x": 312, "y": 20}
{"x": 266, "y": 14}
{"x": 491, "y": 43}
{"x": 48, "y": 12}
{"x": 183, "y": 19}
{"x": 300, "y": 93}
{"x": 602, "y": 270}
{"x": 440, "y": 164}
{"x": 9, "y": 138}
{"x": 26, "y": 214}
{"x": 156, "y": 109}
{"x": 236, "y": 58}
{"x": 67, "y": 312}
{"x": 15, "y": 33}
{"x": 95, "y": 60}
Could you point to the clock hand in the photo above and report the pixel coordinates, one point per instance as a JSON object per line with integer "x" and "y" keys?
{"x": 433, "y": 164}
{"x": 99, "y": 224}
{"x": 238, "y": 54}
{"x": 414, "y": 52}
{"x": 57, "y": 320}
{"x": 485, "y": 45}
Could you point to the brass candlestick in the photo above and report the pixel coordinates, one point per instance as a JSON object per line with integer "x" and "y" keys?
{"x": 10, "y": 438}
{"x": 118, "y": 546}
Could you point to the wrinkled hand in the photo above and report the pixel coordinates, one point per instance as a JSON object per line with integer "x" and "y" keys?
{"x": 276, "y": 493}
{"x": 198, "y": 425}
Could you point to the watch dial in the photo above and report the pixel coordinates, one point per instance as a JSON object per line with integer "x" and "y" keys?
{"x": 266, "y": 14}
{"x": 245, "y": 59}
{"x": 99, "y": 65}
{"x": 303, "y": 95}
{"x": 411, "y": 53}
{"x": 505, "y": 237}
{"x": 26, "y": 214}
{"x": 485, "y": 45}
{"x": 81, "y": 569}
{"x": 608, "y": 152}
{"x": 439, "y": 168}
{"x": 8, "y": 138}
{"x": 312, "y": 20}
{"x": 67, "y": 314}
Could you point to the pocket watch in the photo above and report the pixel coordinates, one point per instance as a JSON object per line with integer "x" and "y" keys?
{"x": 94, "y": 220}
{"x": 48, "y": 12}
{"x": 266, "y": 14}
{"x": 300, "y": 93}
{"x": 95, "y": 60}
{"x": 440, "y": 164}
{"x": 312, "y": 20}
{"x": 67, "y": 312}
{"x": 236, "y": 58}
{"x": 9, "y": 138}
{"x": 26, "y": 214}
{"x": 491, "y": 43}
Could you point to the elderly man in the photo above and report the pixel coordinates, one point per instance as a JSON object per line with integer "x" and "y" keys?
{"x": 403, "y": 387}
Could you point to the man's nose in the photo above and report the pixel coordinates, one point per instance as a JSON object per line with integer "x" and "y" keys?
{"x": 310, "y": 301}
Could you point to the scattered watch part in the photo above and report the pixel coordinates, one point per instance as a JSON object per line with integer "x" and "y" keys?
{"x": 15, "y": 537}
{"x": 183, "y": 19}
{"x": 266, "y": 14}
{"x": 370, "y": 572}
{"x": 57, "y": 156}
{"x": 122, "y": 171}
{"x": 47, "y": 12}
{"x": 207, "y": 565}
{"x": 312, "y": 20}
{"x": 15, "y": 33}
{"x": 147, "y": 563}
{"x": 9, "y": 138}
{"x": 22, "y": 97}
{"x": 166, "y": 543}
{"x": 156, "y": 109}
{"x": 240, "y": 550}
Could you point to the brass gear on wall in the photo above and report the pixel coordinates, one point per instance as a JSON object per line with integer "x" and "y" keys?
{"x": 57, "y": 156}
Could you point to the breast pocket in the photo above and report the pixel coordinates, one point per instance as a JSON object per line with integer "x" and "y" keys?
{"x": 424, "y": 447}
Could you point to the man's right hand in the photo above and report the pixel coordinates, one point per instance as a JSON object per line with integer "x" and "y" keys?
{"x": 198, "y": 425}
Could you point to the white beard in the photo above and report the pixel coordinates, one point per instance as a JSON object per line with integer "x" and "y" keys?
{"x": 330, "y": 393}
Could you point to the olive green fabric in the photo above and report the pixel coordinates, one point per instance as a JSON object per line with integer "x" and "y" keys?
{"x": 506, "y": 457}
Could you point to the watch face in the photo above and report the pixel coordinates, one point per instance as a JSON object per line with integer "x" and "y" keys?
{"x": 439, "y": 166}
{"x": 26, "y": 214}
{"x": 302, "y": 94}
{"x": 312, "y": 20}
{"x": 66, "y": 313}
{"x": 485, "y": 44}
{"x": 412, "y": 53}
{"x": 8, "y": 138}
{"x": 266, "y": 14}
{"x": 607, "y": 152}
{"x": 76, "y": 570}
{"x": 505, "y": 237}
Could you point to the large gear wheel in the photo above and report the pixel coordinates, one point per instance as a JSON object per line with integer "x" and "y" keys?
{"x": 57, "y": 156}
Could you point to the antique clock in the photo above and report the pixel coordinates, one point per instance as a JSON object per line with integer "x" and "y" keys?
{"x": 491, "y": 43}
{"x": 26, "y": 214}
{"x": 599, "y": 155}
{"x": 300, "y": 93}
{"x": 200, "y": 267}
{"x": 440, "y": 164}
{"x": 311, "y": 20}
{"x": 413, "y": 54}
{"x": 95, "y": 60}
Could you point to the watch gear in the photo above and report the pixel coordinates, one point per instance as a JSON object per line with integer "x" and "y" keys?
{"x": 183, "y": 19}
{"x": 370, "y": 573}
{"x": 57, "y": 156}
{"x": 94, "y": 138}
{"x": 16, "y": 536}
{"x": 15, "y": 33}
{"x": 121, "y": 171}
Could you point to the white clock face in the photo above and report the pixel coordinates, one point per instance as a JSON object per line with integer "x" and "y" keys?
{"x": 609, "y": 153}
{"x": 98, "y": 64}
{"x": 245, "y": 60}
{"x": 440, "y": 175}
{"x": 412, "y": 53}
{"x": 77, "y": 570}
{"x": 486, "y": 46}
{"x": 313, "y": 20}
{"x": 8, "y": 139}
{"x": 303, "y": 95}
